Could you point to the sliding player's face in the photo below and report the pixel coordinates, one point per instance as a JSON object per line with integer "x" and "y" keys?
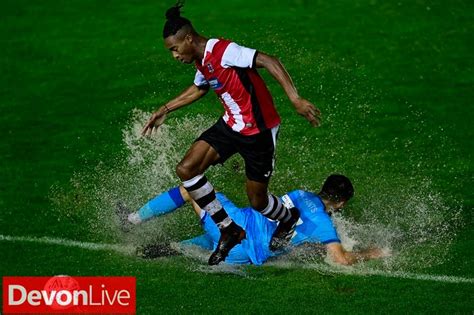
{"x": 336, "y": 207}
{"x": 180, "y": 47}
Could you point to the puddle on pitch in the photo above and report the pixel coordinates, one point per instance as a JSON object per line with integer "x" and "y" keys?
{"x": 414, "y": 222}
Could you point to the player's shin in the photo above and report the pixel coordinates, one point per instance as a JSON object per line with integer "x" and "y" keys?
{"x": 275, "y": 210}
{"x": 202, "y": 191}
{"x": 204, "y": 195}
{"x": 287, "y": 218}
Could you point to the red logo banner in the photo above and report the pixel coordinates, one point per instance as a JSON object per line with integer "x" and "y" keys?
{"x": 71, "y": 295}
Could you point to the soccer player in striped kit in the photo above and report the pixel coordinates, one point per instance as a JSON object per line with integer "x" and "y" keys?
{"x": 249, "y": 126}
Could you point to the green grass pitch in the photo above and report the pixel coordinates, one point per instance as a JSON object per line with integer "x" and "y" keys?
{"x": 393, "y": 79}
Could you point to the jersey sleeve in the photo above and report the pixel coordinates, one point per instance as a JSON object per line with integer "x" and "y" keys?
{"x": 325, "y": 231}
{"x": 199, "y": 79}
{"x": 319, "y": 226}
{"x": 238, "y": 56}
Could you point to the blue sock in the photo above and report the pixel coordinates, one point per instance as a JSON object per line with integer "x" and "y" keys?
{"x": 167, "y": 201}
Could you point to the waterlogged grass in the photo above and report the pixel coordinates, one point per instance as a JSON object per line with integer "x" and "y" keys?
{"x": 394, "y": 81}
{"x": 179, "y": 285}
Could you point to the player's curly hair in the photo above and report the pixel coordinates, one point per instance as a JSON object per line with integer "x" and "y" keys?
{"x": 337, "y": 188}
{"x": 174, "y": 20}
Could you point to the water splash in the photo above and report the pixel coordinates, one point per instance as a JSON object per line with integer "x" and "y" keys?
{"x": 413, "y": 221}
{"x": 144, "y": 169}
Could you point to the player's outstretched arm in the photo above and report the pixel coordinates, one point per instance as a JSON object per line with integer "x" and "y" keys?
{"x": 278, "y": 71}
{"x": 188, "y": 96}
{"x": 338, "y": 255}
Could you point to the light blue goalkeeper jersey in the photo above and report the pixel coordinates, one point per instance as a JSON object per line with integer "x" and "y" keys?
{"x": 314, "y": 226}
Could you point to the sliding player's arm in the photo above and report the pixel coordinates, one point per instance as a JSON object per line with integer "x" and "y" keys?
{"x": 339, "y": 255}
{"x": 278, "y": 71}
{"x": 188, "y": 96}
{"x": 184, "y": 194}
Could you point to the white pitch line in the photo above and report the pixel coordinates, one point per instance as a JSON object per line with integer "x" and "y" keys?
{"x": 392, "y": 274}
{"x": 69, "y": 243}
{"x": 124, "y": 249}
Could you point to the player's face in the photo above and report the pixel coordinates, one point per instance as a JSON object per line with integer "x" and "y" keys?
{"x": 339, "y": 205}
{"x": 335, "y": 207}
{"x": 181, "y": 48}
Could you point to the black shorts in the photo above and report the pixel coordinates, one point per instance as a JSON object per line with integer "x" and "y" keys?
{"x": 258, "y": 151}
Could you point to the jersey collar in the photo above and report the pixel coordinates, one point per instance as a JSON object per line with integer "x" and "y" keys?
{"x": 209, "y": 46}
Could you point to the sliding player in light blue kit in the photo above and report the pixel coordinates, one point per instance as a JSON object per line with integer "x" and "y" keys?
{"x": 314, "y": 225}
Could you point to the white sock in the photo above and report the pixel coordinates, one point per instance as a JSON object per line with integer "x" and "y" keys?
{"x": 134, "y": 218}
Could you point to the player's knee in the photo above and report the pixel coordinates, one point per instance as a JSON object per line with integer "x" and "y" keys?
{"x": 184, "y": 171}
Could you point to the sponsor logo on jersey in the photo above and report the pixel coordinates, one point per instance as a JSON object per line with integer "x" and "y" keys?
{"x": 287, "y": 202}
{"x": 311, "y": 205}
{"x": 210, "y": 68}
{"x": 215, "y": 84}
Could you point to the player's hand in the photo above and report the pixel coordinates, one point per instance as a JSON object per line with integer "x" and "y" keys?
{"x": 375, "y": 253}
{"x": 155, "y": 121}
{"x": 308, "y": 111}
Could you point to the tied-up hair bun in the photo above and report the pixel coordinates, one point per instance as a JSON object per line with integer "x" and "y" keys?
{"x": 174, "y": 20}
{"x": 174, "y": 13}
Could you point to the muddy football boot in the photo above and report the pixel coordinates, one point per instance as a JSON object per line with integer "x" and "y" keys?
{"x": 230, "y": 236}
{"x": 284, "y": 231}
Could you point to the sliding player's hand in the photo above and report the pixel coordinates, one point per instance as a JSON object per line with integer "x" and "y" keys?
{"x": 308, "y": 111}
{"x": 374, "y": 253}
{"x": 155, "y": 121}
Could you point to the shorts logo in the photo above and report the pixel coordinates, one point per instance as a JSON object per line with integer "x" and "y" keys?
{"x": 215, "y": 84}
{"x": 71, "y": 295}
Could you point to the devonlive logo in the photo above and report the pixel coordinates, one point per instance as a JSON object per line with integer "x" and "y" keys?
{"x": 69, "y": 295}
